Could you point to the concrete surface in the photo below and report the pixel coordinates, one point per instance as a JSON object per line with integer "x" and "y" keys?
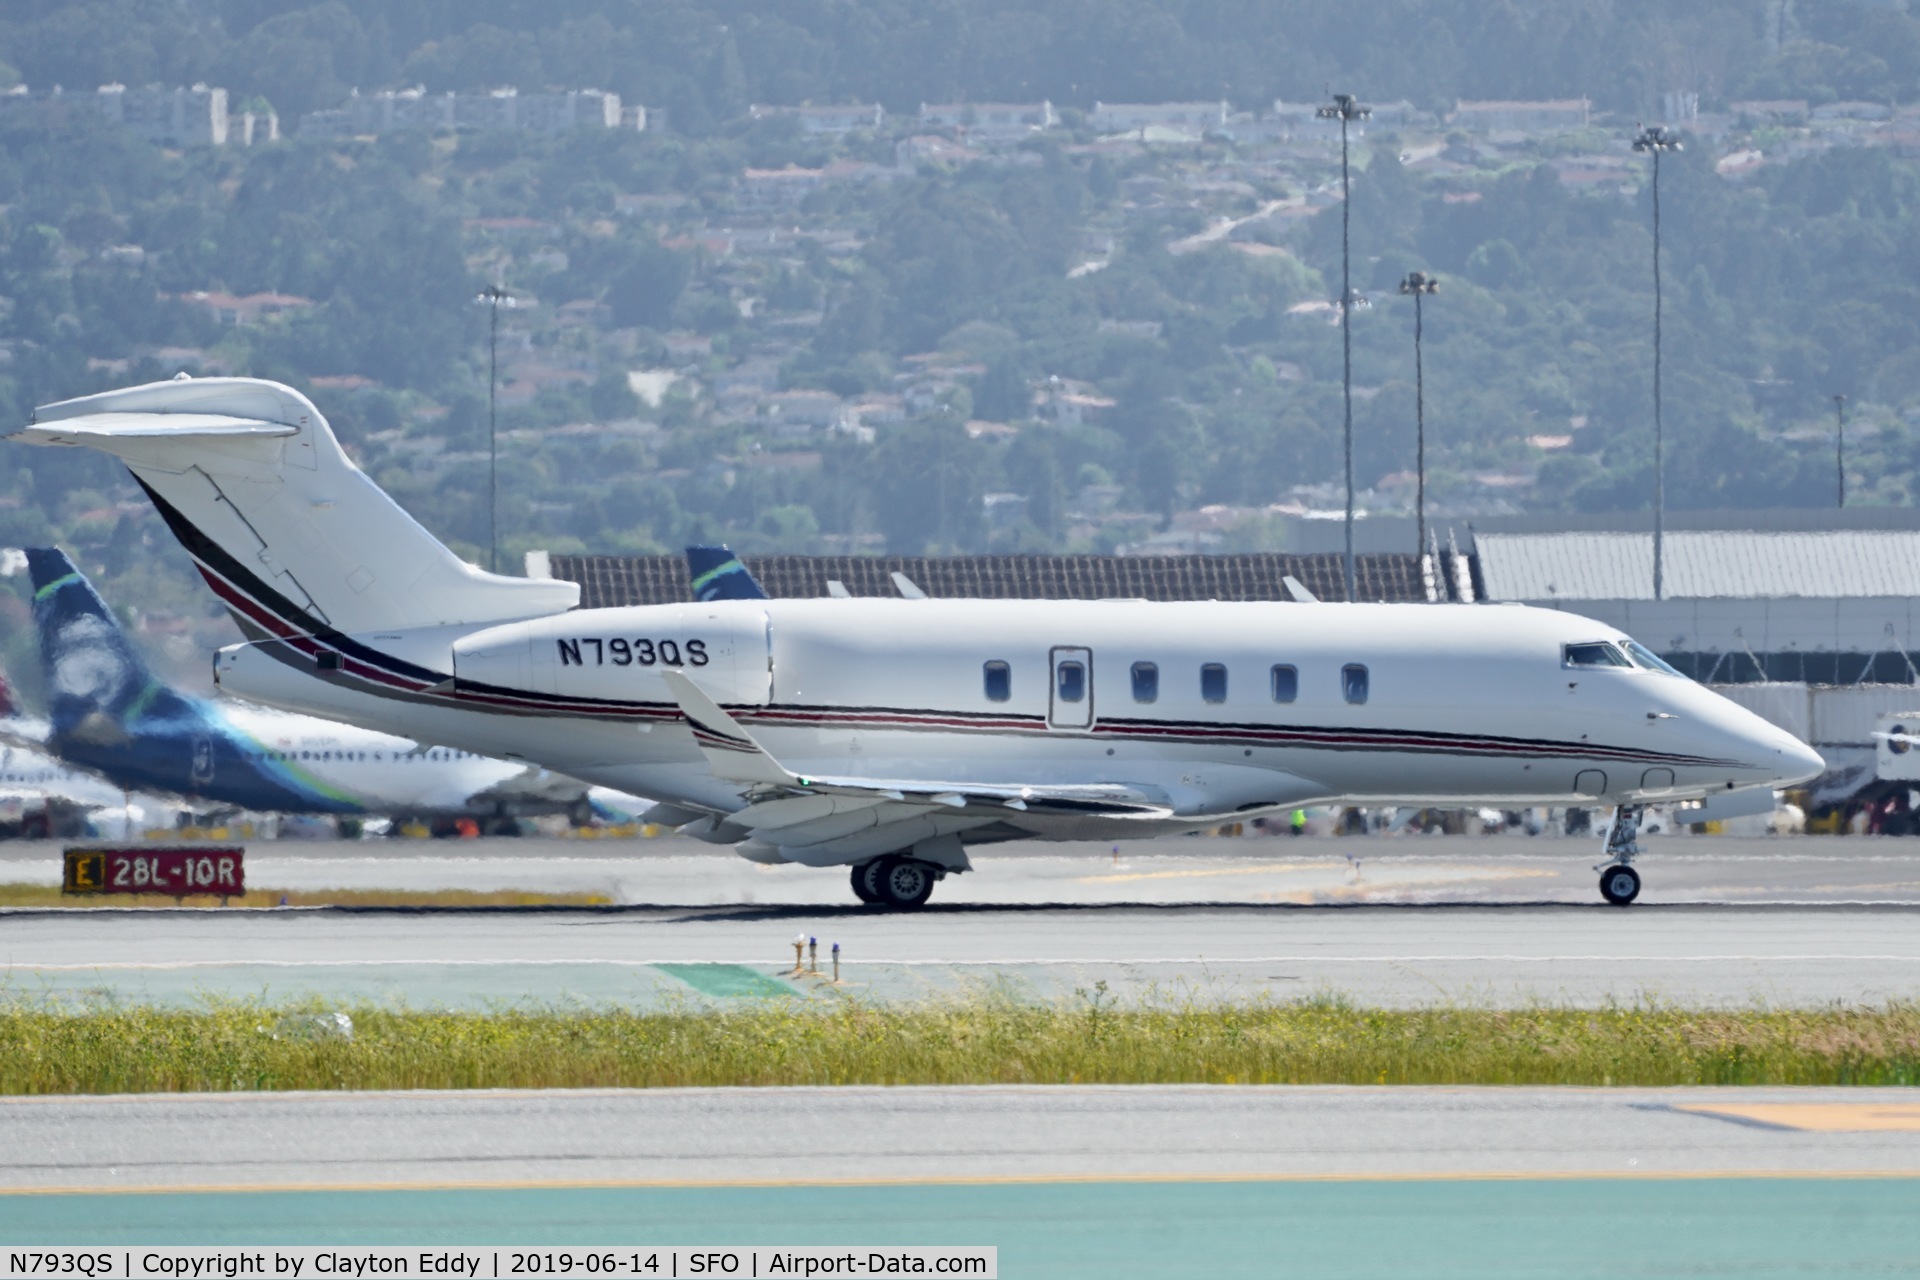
{"x": 1066, "y": 1183}
{"x": 859, "y": 1134}
{"x": 1497, "y": 869}
{"x": 1380, "y": 955}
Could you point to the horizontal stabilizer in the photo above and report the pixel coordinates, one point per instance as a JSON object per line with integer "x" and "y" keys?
{"x": 24, "y": 735}
{"x": 126, "y": 426}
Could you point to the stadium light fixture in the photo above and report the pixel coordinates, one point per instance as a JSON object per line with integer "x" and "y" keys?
{"x": 1346, "y": 108}
{"x": 1656, "y": 140}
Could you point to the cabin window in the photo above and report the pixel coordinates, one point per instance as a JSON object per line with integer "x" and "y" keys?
{"x": 1595, "y": 653}
{"x": 1213, "y": 682}
{"x": 999, "y": 681}
{"x": 1353, "y": 683}
{"x": 1146, "y": 682}
{"x": 1072, "y": 681}
{"x": 1286, "y": 683}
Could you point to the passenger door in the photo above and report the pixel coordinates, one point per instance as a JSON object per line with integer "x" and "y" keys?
{"x": 1070, "y": 695}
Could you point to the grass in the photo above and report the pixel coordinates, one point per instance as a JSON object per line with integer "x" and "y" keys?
{"x": 49, "y": 895}
{"x": 981, "y": 1039}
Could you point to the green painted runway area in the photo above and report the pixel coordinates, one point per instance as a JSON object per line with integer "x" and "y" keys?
{"x": 1752, "y": 1227}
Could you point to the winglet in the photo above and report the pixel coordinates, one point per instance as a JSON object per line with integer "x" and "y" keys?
{"x": 907, "y": 586}
{"x": 731, "y": 751}
{"x": 1298, "y": 590}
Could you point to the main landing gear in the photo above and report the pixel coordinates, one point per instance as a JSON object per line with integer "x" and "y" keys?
{"x": 896, "y": 882}
{"x": 1619, "y": 882}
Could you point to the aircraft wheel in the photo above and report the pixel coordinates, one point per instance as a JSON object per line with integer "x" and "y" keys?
{"x": 902, "y": 884}
{"x": 863, "y": 882}
{"x": 1619, "y": 885}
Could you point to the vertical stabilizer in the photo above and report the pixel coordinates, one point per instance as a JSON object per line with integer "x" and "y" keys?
{"x": 289, "y": 532}
{"x": 97, "y": 686}
{"x": 717, "y": 574}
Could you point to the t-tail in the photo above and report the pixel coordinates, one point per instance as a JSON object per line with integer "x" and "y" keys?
{"x": 97, "y": 686}
{"x": 286, "y": 529}
{"x": 717, "y": 574}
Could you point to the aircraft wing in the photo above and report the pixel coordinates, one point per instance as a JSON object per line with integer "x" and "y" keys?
{"x": 735, "y": 755}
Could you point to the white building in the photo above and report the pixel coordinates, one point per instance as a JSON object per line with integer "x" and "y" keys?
{"x": 400, "y": 110}
{"x": 195, "y": 117}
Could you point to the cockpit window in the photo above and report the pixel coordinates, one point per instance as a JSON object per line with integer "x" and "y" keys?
{"x": 1596, "y": 653}
{"x": 1645, "y": 657}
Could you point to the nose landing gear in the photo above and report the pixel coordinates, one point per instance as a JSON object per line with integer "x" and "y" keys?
{"x": 1619, "y": 882}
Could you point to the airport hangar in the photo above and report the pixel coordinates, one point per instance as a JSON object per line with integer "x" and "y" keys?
{"x": 1808, "y": 617}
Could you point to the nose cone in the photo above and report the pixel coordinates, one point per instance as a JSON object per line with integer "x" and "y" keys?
{"x": 1768, "y": 754}
{"x": 1797, "y": 762}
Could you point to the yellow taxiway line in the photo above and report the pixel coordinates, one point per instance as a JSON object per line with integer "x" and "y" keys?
{"x": 1816, "y": 1117}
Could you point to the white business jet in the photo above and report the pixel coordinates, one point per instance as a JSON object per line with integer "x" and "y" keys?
{"x": 889, "y": 735}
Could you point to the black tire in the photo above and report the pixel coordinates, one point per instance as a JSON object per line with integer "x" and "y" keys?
{"x": 1619, "y": 885}
{"x": 863, "y": 887}
{"x": 903, "y": 884}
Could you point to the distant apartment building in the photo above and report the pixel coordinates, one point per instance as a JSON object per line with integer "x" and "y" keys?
{"x": 832, "y": 121}
{"x": 177, "y": 116}
{"x": 1552, "y": 116}
{"x": 1197, "y": 118}
{"x": 990, "y": 121}
{"x": 195, "y": 117}
{"x": 497, "y": 110}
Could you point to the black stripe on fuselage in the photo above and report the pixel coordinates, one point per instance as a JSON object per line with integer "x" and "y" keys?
{"x": 503, "y": 700}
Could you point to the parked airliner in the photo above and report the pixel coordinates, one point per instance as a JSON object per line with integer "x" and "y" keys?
{"x": 889, "y": 735}
{"x": 39, "y": 796}
{"x": 110, "y": 715}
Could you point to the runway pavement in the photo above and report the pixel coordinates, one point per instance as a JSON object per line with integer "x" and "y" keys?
{"x": 1065, "y": 1182}
{"x": 1416, "y": 869}
{"x": 1388, "y": 956}
{"x": 1418, "y": 920}
{"x": 827, "y": 1136}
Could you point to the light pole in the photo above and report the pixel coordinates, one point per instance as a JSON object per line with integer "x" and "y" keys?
{"x": 1418, "y": 284}
{"x": 1654, "y": 139}
{"x": 495, "y": 298}
{"x": 1840, "y": 448}
{"x": 1346, "y": 108}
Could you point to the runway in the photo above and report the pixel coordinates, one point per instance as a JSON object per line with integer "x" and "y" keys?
{"x": 677, "y": 871}
{"x": 1385, "y": 956}
{"x": 831, "y": 1136}
{"x": 1391, "y": 922}
{"x": 1066, "y": 1182}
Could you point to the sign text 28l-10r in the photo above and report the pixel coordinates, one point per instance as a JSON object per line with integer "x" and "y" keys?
{"x": 216, "y": 870}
